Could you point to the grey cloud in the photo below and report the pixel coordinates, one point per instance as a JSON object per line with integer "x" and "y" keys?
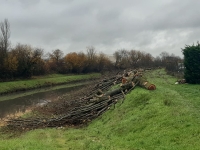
{"x": 71, "y": 25}
{"x": 178, "y": 14}
{"x": 26, "y": 3}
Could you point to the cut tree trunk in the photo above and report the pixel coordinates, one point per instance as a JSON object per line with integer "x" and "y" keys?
{"x": 146, "y": 84}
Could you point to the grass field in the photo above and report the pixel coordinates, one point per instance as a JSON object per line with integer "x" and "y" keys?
{"x": 42, "y": 81}
{"x": 165, "y": 119}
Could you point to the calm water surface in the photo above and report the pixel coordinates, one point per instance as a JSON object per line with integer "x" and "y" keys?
{"x": 13, "y": 103}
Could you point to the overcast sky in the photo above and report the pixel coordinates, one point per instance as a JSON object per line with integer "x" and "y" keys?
{"x": 152, "y": 26}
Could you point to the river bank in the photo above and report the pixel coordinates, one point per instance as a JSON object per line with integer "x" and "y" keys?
{"x": 17, "y": 104}
{"x": 43, "y": 81}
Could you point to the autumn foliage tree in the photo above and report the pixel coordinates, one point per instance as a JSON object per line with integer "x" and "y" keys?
{"x": 28, "y": 60}
{"x": 75, "y": 62}
{"x": 103, "y": 63}
{"x": 10, "y": 65}
{"x": 24, "y": 55}
{"x": 89, "y": 62}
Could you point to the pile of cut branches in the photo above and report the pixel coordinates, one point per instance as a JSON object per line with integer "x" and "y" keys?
{"x": 95, "y": 101}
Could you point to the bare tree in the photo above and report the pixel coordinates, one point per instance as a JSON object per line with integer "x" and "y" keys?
{"x": 157, "y": 62}
{"x": 4, "y": 36}
{"x": 91, "y": 59}
{"x": 134, "y": 57}
{"x": 164, "y": 56}
{"x": 56, "y": 60}
{"x": 117, "y": 58}
{"x": 4, "y": 42}
{"x": 56, "y": 55}
{"x": 91, "y": 52}
{"x": 122, "y": 60}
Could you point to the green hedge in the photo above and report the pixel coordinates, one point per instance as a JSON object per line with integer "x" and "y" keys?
{"x": 192, "y": 63}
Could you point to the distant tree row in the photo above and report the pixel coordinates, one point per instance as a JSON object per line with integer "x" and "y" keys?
{"x": 138, "y": 59}
{"x": 24, "y": 61}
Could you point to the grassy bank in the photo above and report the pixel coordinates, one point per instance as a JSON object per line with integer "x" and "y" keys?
{"x": 165, "y": 119}
{"x": 42, "y": 81}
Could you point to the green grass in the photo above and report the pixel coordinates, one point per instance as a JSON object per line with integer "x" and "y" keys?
{"x": 165, "y": 119}
{"x": 42, "y": 81}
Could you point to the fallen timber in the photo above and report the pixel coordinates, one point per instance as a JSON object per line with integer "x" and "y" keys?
{"x": 98, "y": 100}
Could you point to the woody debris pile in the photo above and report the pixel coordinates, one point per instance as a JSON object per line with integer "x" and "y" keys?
{"x": 99, "y": 99}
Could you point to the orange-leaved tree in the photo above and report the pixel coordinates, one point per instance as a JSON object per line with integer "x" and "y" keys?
{"x": 75, "y": 62}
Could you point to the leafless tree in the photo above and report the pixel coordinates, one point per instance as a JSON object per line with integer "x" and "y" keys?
{"x": 4, "y": 41}
{"x": 122, "y": 60}
{"x": 57, "y": 55}
{"x": 135, "y": 57}
{"x": 91, "y": 52}
{"x": 91, "y": 59}
{"x": 4, "y": 36}
{"x": 56, "y": 61}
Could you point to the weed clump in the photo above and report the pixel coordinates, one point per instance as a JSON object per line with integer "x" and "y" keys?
{"x": 167, "y": 102}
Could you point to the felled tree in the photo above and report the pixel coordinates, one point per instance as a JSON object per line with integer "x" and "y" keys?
{"x": 192, "y": 63}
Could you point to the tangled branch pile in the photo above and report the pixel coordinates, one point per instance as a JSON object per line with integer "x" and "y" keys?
{"x": 83, "y": 109}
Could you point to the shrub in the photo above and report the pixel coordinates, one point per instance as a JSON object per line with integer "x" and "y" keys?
{"x": 192, "y": 63}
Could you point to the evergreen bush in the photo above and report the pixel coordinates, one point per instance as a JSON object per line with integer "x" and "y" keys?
{"x": 192, "y": 63}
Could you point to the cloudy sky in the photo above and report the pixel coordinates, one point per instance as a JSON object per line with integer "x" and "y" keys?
{"x": 152, "y": 26}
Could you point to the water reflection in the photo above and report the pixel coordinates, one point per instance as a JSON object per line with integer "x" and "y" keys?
{"x": 20, "y": 104}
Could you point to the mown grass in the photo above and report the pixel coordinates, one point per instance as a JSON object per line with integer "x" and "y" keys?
{"x": 42, "y": 81}
{"x": 165, "y": 119}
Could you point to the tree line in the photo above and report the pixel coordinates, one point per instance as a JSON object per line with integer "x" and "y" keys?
{"x": 24, "y": 61}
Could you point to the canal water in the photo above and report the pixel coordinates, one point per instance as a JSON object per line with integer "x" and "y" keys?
{"x": 20, "y": 102}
